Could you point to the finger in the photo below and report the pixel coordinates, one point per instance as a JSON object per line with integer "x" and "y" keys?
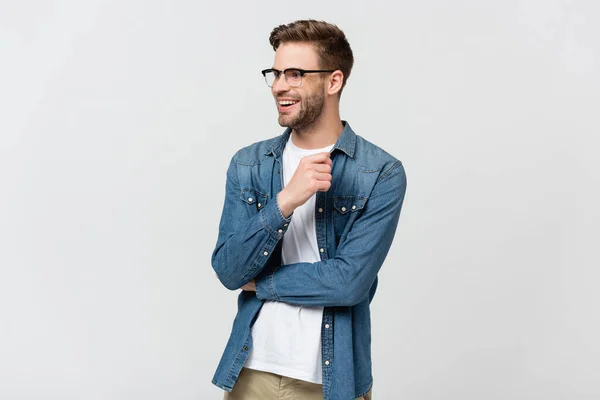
{"x": 323, "y": 168}
{"x": 317, "y": 158}
{"x": 322, "y": 176}
{"x": 323, "y": 186}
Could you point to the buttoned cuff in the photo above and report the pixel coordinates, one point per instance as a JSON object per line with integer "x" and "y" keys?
{"x": 273, "y": 220}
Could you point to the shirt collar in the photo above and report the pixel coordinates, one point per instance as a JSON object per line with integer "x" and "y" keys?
{"x": 346, "y": 143}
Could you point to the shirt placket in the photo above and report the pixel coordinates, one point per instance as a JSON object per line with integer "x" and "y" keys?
{"x": 327, "y": 324}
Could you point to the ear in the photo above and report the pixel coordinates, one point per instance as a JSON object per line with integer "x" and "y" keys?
{"x": 335, "y": 82}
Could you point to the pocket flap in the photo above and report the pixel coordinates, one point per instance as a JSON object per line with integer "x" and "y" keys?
{"x": 344, "y": 204}
{"x": 253, "y": 196}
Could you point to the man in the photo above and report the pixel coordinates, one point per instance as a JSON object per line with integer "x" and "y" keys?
{"x": 308, "y": 219}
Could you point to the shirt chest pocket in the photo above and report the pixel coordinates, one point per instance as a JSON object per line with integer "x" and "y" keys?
{"x": 253, "y": 199}
{"x": 345, "y": 211}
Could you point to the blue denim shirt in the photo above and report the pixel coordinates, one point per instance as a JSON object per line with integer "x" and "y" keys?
{"x": 356, "y": 221}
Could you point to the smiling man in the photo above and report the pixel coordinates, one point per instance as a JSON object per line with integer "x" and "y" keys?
{"x": 308, "y": 220}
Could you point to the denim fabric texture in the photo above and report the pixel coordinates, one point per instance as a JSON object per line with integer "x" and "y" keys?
{"x": 356, "y": 221}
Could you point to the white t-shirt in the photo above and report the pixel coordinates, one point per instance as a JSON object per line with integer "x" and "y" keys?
{"x": 287, "y": 338}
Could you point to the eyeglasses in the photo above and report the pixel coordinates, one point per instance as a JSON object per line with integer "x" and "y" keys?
{"x": 293, "y": 76}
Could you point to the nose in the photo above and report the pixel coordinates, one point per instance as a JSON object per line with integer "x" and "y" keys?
{"x": 280, "y": 85}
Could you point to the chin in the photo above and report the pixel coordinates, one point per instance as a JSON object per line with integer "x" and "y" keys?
{"x": 286, "y": 122}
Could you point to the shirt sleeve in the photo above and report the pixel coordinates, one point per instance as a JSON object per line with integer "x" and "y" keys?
{"x": 245, "y": 242}
{"x": 345, "y": 280}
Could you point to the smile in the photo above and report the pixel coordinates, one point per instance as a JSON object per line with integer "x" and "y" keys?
{"x": 287, "y": 103}
{"x": 284, "y": 105}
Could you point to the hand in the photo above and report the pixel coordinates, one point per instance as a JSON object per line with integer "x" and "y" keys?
{"x": 249, "y": 287}
{"x": 312, "y": 175}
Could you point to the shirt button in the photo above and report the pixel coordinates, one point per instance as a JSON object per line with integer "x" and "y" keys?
{"x": 280, "y": 231}
{"x": 327, "y": 362}
{"x": 250, "y": 199}
{"x": 285, "y": 224}
{"x": 326, "y": 326}
{"x": 353, "y": 207}
{"x": 266, "y": 253}
{"x": 320, "y": 210}
{"x": 259, "y": 205}
{"x": 322, "y": 250}
{"x": 343, "y": 209}
{"x": 246, "y": 348}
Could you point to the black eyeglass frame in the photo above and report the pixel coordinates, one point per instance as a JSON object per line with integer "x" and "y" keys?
{"x": 302, "y": 73}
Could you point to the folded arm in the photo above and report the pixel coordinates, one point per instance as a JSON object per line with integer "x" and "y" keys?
{"x": 245, "y": 242}
{"x": 345, "y": 279}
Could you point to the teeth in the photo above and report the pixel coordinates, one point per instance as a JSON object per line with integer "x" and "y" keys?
{"x": 287, "y": 102}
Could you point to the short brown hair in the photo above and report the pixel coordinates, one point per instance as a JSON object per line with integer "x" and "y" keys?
{"x": 330, "y": 42}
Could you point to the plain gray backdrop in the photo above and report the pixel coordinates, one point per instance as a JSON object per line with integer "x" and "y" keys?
{"x": 118, "y": 120}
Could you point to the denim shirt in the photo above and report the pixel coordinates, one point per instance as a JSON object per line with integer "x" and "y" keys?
{"x": 356, "y": 221}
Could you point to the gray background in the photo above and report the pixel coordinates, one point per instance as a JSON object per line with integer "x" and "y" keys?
{"x": 118, "y": 120}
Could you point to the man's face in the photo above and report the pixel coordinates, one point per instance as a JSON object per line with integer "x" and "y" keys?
{"x": 309, "y": 98}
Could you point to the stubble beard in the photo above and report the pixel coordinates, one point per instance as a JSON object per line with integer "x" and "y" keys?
{"x": 311, "y": 109}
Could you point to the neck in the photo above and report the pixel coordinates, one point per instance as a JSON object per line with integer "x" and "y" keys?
{"x": 321, "y": 133}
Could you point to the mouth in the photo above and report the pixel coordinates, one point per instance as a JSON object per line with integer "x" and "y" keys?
{"x": 286, "y": 105}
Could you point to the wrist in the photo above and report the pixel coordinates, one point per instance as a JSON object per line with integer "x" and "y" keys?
{"x": 285, "y": 205}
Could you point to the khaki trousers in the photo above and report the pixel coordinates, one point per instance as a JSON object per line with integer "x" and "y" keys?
{"x": 260, "y": 385}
